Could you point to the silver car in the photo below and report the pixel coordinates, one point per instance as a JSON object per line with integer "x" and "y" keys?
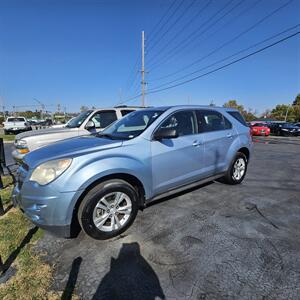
{"x": 87, "y": 122}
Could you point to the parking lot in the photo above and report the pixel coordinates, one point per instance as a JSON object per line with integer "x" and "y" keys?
{"x": 213, "y": 242}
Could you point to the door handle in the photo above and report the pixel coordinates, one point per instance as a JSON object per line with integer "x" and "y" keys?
{"x": 196, "y": 143}
{"x": 229, "y": 135}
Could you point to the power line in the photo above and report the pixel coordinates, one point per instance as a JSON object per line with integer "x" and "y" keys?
{"x": 232, "y": 55}
{"x": 183, "y": 27}
{"x": 221, "y": 67}
{"x": 233, "y": 19}
{"x": 196, "y": 32}
{"x": 166, "y": 22}
{"x": 226, "y": 65}
{"x": 133, "y": 75}
{"x": 173, "y": 24}
{"x": 226, "y": 43}
{"x": 161, "y": 19}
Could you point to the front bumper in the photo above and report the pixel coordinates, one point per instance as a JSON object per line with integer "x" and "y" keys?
{"x": 45, "y": 207}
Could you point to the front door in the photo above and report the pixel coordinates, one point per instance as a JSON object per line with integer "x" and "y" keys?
{"x": 177, "y": 161}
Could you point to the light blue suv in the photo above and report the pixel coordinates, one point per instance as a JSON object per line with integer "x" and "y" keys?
{"x": 99, "y": 182}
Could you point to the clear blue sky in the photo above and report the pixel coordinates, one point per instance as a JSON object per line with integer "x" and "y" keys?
{"x": 82, "y": 52}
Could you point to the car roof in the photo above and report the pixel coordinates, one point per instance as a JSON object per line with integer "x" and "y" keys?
{"x": 174, "y": 107}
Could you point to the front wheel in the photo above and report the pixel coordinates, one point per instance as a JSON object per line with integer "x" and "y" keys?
{"x": 237, "y": 170}
{"x": 108, "y": 209}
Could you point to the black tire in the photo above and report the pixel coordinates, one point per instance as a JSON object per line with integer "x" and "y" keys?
{"x": 88, "y": 204}
{"x": 229, "y": 176}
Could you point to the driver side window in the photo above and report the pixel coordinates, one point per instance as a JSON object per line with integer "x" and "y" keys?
{"x": 102, "y": 119}
{"x": 183, "y": 122}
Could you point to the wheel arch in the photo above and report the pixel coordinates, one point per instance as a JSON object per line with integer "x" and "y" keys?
{"x": 245, "y": 151}
{"x": 131, "y": 179}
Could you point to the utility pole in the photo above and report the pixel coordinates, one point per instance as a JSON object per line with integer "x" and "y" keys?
{"x": 143, "y": 69}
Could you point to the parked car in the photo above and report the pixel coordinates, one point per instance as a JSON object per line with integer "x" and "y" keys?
{"x": 100, "y": 181}
{"x": 15, "y": 125}
{"x": 260, "y": 129}
{"x": 87, "y": 122}
{"x": 285, "y": 129}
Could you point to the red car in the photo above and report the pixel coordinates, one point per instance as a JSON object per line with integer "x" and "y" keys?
{"x": 260, "y": 129}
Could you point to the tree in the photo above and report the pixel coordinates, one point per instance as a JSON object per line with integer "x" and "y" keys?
{"x": 283, "y": 110}
{"x": 297, "y": 100}
{"x": 233, "y": 104}
{"x": 249, "y": 114}
{"x": 296, "y": 108}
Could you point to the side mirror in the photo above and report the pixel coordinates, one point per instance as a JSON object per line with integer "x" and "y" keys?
{"x": 90, "y": 125}
{"x": 165, "y": 133}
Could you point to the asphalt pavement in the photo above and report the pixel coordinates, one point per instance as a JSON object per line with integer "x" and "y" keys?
{"x": 213, "y": 242}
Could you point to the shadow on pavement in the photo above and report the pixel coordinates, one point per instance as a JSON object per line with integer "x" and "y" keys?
{"x": 70, "y": 286}
{"x": 129, "y": 277}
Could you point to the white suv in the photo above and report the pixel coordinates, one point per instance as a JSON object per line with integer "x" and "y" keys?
{"x": 87, "y": 122}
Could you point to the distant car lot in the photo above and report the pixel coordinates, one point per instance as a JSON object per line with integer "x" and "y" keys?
{"x": 213, "y": 242}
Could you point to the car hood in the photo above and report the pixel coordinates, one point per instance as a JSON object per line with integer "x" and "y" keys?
{"x": 70, "y": 148}
{"x": 42, "y": 132}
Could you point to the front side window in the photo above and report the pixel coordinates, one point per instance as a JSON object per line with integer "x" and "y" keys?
{"x": 183, "y": 122}
{"x": 131, "y": 125}
{"x": 102, "y": 119}
{"x": 211, "y": 121}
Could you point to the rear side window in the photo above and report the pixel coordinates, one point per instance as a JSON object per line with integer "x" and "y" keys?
{"x": 209, "y": 120}
{"x": 238, "y": 117}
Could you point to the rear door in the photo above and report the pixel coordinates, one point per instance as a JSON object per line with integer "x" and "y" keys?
{"x": 177, "y": 161}
{"x": 218, "y": 135}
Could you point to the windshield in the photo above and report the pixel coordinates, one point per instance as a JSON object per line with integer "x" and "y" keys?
{"x": 131, "y": 125}
{"x": 77, "y": 121}
{"x": 15, "y": 120}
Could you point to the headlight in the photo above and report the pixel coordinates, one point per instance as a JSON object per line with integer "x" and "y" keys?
{"x": 284, "y": 129}
{"x": 50, "y": 170}
{"x": 20, "y": 143}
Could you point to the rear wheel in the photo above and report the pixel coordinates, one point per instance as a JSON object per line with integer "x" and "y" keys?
{"x": 237, "y": 170}
{"x": 108, "y": 209}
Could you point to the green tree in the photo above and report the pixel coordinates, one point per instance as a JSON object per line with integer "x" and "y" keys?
{"x": 297, "y": 100}
{"x": 283, "y": 110}
{"x": 296, "y": 108}
{"x": 233, "y": 104}
{"x": 249, "y": 115}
